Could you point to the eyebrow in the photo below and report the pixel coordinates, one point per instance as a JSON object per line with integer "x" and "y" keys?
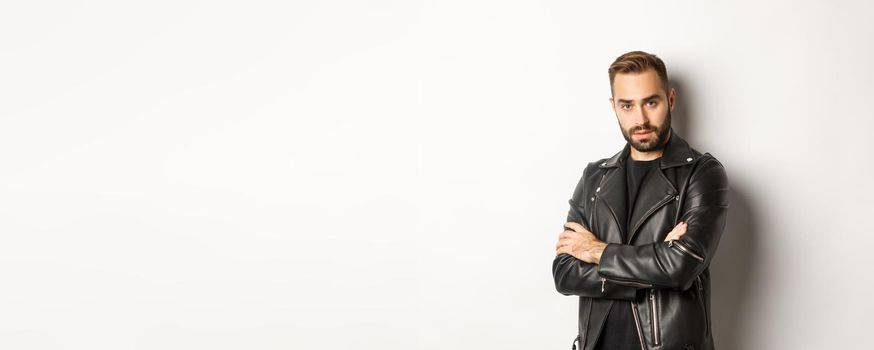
{"x": 650, "y": 97}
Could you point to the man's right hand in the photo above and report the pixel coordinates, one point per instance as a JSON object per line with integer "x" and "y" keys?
{"x": 677, "y": 232}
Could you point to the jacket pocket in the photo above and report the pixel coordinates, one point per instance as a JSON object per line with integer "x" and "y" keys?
{"x": 637, "y": 325}
{"x": 654, "y": 317}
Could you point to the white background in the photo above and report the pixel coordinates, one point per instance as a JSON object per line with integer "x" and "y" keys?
{"x": 394, "y": 175}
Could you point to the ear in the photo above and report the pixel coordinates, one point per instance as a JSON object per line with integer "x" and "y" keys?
{"x": 611, "y": 103}
{"x": 672, "y": 97}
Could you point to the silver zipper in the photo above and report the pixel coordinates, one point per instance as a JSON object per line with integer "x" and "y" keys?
{"x": 595, "y": 204}
{"x": 654, "y": 312}
{"x": 592, "y": 224}
{"x": 629, "y": 283}
{"x": 637, "y": 324}
{"x": 682, "y": 247}
{"x": 643, "y": 218}
{"x": 592, "y": 215}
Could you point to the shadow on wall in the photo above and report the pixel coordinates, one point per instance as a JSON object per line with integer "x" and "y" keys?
{"x": 732, "y": 268}
{"x": 731, "y": 271}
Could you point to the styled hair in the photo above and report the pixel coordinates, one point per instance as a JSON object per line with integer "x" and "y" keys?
{"x": 638, "y": 62}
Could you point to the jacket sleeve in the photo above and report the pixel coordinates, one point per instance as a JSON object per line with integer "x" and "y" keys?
{"x": 676, "y": 264}
{"x": 576, "y": 277}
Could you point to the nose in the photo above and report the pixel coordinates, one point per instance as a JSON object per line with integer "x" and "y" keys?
{"x": 640, "y": 117}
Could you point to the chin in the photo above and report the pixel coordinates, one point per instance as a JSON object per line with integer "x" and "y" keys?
{"x": 646, "y": 147}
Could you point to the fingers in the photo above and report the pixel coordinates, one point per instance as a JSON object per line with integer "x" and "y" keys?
{"x": 580, "y": 230}
{"x": 574, "y": 226}
{"x": 677, "y": 232}
{"x": 564, "y": 249}
{"x": 568, "y": 234}
{"x": 563, "y": 242}
{"x": 681, "y": 229}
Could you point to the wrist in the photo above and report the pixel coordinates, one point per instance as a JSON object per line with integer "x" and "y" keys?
{"x": 597, "y": 250}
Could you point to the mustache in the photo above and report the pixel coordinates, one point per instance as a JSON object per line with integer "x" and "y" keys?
{"x": 641, "y": 128}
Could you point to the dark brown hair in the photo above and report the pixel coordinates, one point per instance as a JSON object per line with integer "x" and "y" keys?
{"x": 638, "y": 62}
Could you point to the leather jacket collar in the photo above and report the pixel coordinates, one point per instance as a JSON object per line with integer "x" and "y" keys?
{"x": 677, "y": 152}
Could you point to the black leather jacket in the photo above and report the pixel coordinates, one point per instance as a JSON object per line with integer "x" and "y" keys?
{"x": 667, "y": 283}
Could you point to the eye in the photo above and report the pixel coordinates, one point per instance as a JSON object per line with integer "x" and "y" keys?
{"x": 652, "y": 103}
{"x": 626, "y": 106}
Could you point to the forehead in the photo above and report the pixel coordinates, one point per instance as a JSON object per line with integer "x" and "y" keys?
{"x": 635, "y": 86}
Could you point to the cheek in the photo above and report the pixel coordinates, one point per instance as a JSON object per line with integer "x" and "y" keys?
{"x": 660, "y": 111}
{"x": 625, "y": 120}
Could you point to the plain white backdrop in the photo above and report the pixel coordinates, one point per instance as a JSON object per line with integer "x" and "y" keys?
{"x": 394, "y": 174}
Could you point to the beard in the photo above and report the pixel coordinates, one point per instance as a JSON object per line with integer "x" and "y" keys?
{"x": 653, "y": 143}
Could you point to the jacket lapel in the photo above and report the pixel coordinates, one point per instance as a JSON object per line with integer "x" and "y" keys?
{"x": 655, "y": 191}
{"x": 613, "y": 193}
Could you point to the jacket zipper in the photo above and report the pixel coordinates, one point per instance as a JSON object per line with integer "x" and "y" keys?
{"x": 654, "y": 318}
{"x": 700, "y": 291}
{"x": 682, "y": 247}
{"x": 658, "y": 206}
{"x": 627, "y": 283}
{"x": 592, "y": 215}
{"x": 637, "y": 325}
{"x": 604, "y": 280}
{"x": 595, "y": 203}
{"x": 592, "y": 224}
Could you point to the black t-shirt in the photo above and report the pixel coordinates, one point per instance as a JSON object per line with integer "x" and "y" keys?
{"x": 620, "y": 332}
{"x": 635, "y": 171}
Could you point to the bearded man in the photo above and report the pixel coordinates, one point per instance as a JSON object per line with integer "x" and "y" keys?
{"x": 643, "y": 225}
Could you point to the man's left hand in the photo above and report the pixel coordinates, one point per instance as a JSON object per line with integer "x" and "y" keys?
{"x": 580, "y": 243}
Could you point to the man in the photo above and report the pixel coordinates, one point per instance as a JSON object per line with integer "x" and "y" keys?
{"x": 643, "y": 225}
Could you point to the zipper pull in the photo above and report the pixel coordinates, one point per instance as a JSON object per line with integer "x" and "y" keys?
{"x": 603, "y": 283}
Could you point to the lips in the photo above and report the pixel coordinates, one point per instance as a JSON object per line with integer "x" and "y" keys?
{"x": 641, "y": 133}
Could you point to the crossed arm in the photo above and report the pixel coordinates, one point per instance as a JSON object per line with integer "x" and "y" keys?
{"x": 575, "y": 267}
{"x": 586, "y": 266}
